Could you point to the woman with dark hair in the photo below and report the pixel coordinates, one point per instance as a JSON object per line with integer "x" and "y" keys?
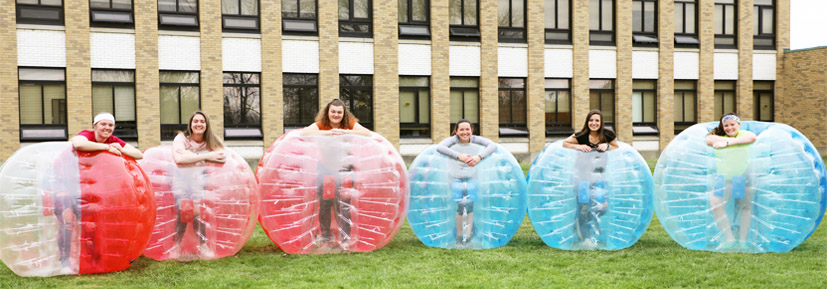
{"x": 335, "y": 119}
{"x": 732, "y": 151}
{"x": 464, "y": 185}
{"x": 190, "y": 150}
{"x": 593, "y": 136}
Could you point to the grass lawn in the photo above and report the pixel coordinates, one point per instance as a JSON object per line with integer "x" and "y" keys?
{"x": 654, "y": 261}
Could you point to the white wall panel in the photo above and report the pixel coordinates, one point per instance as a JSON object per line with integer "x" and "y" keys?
{"x": 726, "y": 65}
{"x": 355, "y": 58}
{"x": 179, "y": 53}
{"x": 602, "y": 63}
{"x": 512, "y": 62}
{"x": 112, "y": 50}
{"x": 558, "y": 63}
{"x": 41, "y": 48}
{"x": 644, "y": 64}
{"x": 299, "y": 56}
{"x": 686, "y": 65}
{"x": 241, "y": 54}
{"x": 464, "y": 60}
{"x": 414, "y": 59}
{"x": 763, "y": 66}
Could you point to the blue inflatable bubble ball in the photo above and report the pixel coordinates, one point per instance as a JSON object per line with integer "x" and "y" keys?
{"x": 768, "y": 196}
{"x": 588, "y": 201}
{"x": 457, "y": 206}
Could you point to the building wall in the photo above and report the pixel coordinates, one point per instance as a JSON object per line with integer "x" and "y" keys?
{"x": 79, "y": 48}
{"x": 805, "y": 87}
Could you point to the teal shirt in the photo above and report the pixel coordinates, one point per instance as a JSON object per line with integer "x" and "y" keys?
{"x": 733, "y": 160}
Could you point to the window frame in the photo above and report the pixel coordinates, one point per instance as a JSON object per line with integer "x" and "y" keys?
{"x": 681, "y": 93}
{"x": 512, "y": 128}
{"x": 112, "y": 11}
{"x": 501, "y": 30}
{"x": 645, "y": 38}
{"x": 610, "y": 32}
{"x": 350, "y": 102}
{"x": 759, "y": 19}
{"x": 121, "y": 127}
{"x": 757, "y": 100}
{"x": 734, "y": 35}
{"x": 559, "y": 128}
{"x": 240, "y": 16}
{"x": 352, "y": 20}
{"x": 417, "y": 124}
{"x": 181, "y": 118}
{"x": 43, "y": 125}
{"x": 567, "y": 31}
{"x": 464, "y": 32}
{"x": 683, "y": 39}
{"x": 242, "y": 130}
{"x": 644, "y": 127}
{"x": 193, "y": 15}
{"x": 415, "y": 24}
{"x": 299, "y": 19}
{"x": 40, "y": 7}
{"x": 287, "y": 124}
{"x": 600, "y": 99}
{"x": 463, "y": 89}
{"x": 723, "y": 99}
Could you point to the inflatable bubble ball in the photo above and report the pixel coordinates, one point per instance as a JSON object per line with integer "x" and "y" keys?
{"x": 332, "y": 194}
{"x": 65, "y": 212}
{"x": 768, "y": 196}
{"x": 457, "y": 206}
{"x": 587, "y": 201}
{"x": 205, "y": 210}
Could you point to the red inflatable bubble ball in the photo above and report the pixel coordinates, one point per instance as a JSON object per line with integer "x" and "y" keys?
{"x": 205, "y": 210}
{"x": 65, "y": 212}
{"x": 332, "y": 194}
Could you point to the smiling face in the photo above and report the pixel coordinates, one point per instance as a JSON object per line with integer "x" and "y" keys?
{"x": 198, "y": 124}
{"x": 464, "y": 132}
{"x": 594, "y": 122}
{"x": 335, "y": 115}
{"x": 103, "y": 129}
{"x": 731, "y": 127}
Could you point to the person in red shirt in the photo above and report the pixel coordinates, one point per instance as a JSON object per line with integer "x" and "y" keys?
{"x": 101, "y": 138}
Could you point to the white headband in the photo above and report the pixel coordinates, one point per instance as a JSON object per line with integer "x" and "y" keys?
{"x": 731, "y": 117}
{"x": 104, "y": 116}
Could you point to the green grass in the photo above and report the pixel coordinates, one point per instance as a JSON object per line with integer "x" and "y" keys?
{"x": 655, "y": 261}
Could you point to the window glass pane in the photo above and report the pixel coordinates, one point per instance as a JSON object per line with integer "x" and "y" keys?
{"x": 502, "y": 13}
{"x": 122, "y": 4}
{"x": 768, "y": 21}
{"x": 649, "y": 107}
{"x": 413, "y": 81}
{"x": 563, "y": 14}
{"x": 755, "y": 15}
{"x": 41, "y": 74}
{"x": 678, "y": 112}
{"x": 719, "y": 19}
{"x": 424, "y": 106}
{"x": 730, "y": 20}
{"x": 684, "y": 84}
{"x": 344, "y": 9}
{"x": 292, "y": 108}
{"x": 178, "y": 77}
{"x": 550, "y": 14}
{"x": 104, "y": 4}
{"x": 512, "y": 83}
{"x": 54, "y": 104}
{"x": 564, "y": 105}
{"x": 607, "y": 12}
{"x": 690, "y": 18}
{"x": 309, "y": 104}
{"x": 32, "y": 2}
{"x": 124, "y": 103}
{"x": 169, "y": 105}
{"x": 308, "y": 8}
{"x": 189, "y": 101}
{"x": 166, "y": 5}
{"x": 505, "y": 106}
{"x": 649, "y": 17}
{"x": 517, "y": 13}
{"x": 113, "y": 75}
{"x": 643, "y": 84}
{"x": 229, "y": 7}
{"x": 689, "y": 106}
{"x": 518, "y": 107}
{"x": 188, "y": 6}
{"x": 557, "y": 83}
{"x": 607, "y": 106}
{"x": 465, "y": 82}
{"x": 600, "y": 84}
{"x": 51, "y": 2}
{"x": 724, "y": 85}
{"x": 594, "y": 14}
{"x": 289, "y": 8}
{"x": 403, "y": 11}
{"x": 637, "y": 106}
{"x": 31, "y": 104}
{"x": 102, "y": 99}
{"x": 551, "y": 106}
{"x": 729, "y": 102}
{"x": 455, "y": 9}
{"x": 420, "y": 10}
{"x": 249, "y": 7}
{"x": 470, "y": 16}
{"x": 456, "y": 105}
{"x": 637, "y": 16}
{"x": 360, "y": 9}
{"x": 765, "y": 104}
{"x": 679, "y": 18}
{"x": 762, "y": 85}
{"x": 407, "y": 106}
{"x": 472, "y": 106}
{"x": 763, "y": 2}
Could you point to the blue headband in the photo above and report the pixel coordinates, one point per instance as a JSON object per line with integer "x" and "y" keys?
{"x": 731, "y": 117}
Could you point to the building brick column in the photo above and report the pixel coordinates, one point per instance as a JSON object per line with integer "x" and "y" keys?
{"x": 212, "y": 70}
{"x": 272, "y": 92}
{"x": 706, "y": 58}
{"x": 489, "y": 77}
{"x": 147, "y": 88}
{"x": 386, "y": 70}
{"x": 666, "y": 72}
{"x": 328, "y": 51}
{"x": 782, "y": 41}
{"x": 78, "y": 67}
{"x": 9, "y": 105}
{"x": 440, "y": 78}
{"x": 580, "y": 70}
{"x": 535, "y": 84}
{"x": 744, "y": 95}
{"x": 623, "y": 83}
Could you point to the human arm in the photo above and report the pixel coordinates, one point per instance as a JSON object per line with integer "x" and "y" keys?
{"x": 132, "y": 151}
{"x": 444, "y": 147}
{"x": 81, "y": 143}
{"x": 489, "y": 148}
{"x": 572, "y": 143}
{"x": 721, "y": 142}
{"x": 182, "y": 156}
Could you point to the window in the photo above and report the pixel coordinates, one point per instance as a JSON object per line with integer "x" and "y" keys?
{"x": 301, "y": 99}
{"x": 117, "y": 13}
{"x": 512, "y": 102}
{"x": 113, "y": 91}
{"x": 240, "y": 15}
{"x": 414, "y": 106}
{"x": 413, "y": 18}
{"x": 463, "y": 20}
{"x": 511, "y": 20}
{"x": 178, "y": 14}
{"x": 357, "y": 93}
{"x": 558, "y": 21}
{"x": 763, "y": 100}
{"x": 602, "y": 97}
{"x": 42, "y": 104}
{"x": 645, "y": 22}
{"x": 724, "y": 97}
{"x": 686, "y": 27}
{"x": 725, "y": 24}
{"x": 558, "y": 106}
{"x": 644, "y": 107}
{"x": 685, "y": 104}
{"x": 180, "y": 96}
{"x": 40, "y": 12}
{"x": 299, "y": 16}
{"x": 465, "y": 100}
{"x": 601, "y": 22}
{"x": 355, "y": 18}
{"x": 763, "y": 24}
{"x": 242, "y": 105}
